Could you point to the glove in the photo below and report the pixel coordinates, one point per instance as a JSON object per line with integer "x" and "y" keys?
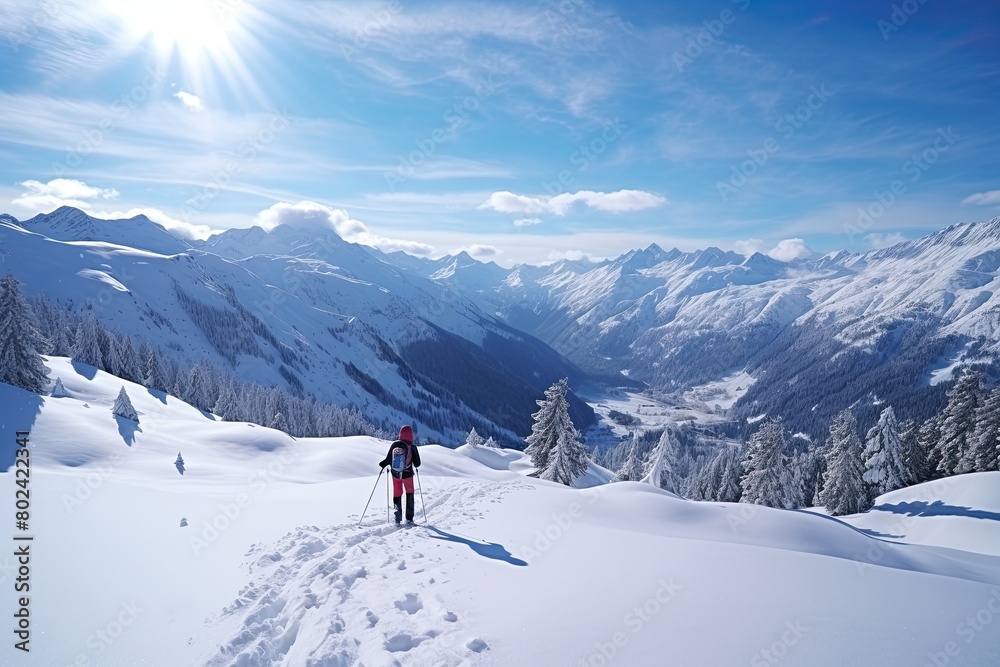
{"x": 381, "y": 465}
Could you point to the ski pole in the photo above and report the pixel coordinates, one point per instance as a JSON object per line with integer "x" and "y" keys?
{"x": 423, "y": 507}
{"x": 371, "y": 496}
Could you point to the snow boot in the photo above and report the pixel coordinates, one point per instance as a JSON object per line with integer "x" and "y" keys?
{"x": 409, "y": 508}
{"x": 397, "y": 502}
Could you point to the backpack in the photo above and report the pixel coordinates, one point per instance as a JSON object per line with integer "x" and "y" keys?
{"x": 399, "y": 460}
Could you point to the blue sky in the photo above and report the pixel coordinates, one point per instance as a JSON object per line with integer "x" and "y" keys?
{"x": 520, "y": 132}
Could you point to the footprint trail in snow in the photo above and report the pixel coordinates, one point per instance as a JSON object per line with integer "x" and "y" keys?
{"x": 343, "y": 595}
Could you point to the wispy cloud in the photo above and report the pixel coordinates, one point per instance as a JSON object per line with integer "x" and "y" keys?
{"x": 527, "y": 222}
{"x": 553, "y": 51}
{"x": 989, "y": 198}
{"x": 622, "y": 201}
{"x": 748, "y": 246}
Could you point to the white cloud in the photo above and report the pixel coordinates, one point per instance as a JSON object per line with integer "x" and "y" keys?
{"x": 527, "y": 222}
{"x": 309, "y": 215}
{"x": 748, "y": 246}
{"x": 480, "y": 251}
{"x": 989, "y": 198}
{"x": 393, "y": 245}
{"x": 884, "y": 240}
{"x": 190, "y": 101}
{"x": 622, "y": 201}
{"x": 790, "y": 249}
{"x": 508, "y": 202}
{"x": 46, "y": 197}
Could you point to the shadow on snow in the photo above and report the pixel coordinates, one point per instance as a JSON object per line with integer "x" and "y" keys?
{"x": 486, "y": 549}
{"x": 937, "y": 508}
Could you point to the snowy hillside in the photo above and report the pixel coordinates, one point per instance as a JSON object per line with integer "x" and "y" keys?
{"x": 307, "y": 312}
{"x": 272, "y": 568}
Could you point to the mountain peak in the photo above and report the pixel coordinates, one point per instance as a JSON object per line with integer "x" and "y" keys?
{"x": 67, "y": 223}
{"x": 61, "y": 217}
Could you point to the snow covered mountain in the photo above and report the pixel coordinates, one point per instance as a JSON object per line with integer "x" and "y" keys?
{"x": 442, "y": 339}
{"x": 816, "y": 335}
{"x": 308, "y": 312}
{"x": 255, "y": 556}
{"x": 71, "y": 224}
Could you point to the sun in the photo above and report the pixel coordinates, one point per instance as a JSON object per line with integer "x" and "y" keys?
{"x": 206, "y": 44}
{"x": 192, "y": 27}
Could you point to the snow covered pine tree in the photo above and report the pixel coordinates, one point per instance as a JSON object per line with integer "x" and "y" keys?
{"x": 885, "y": 469}
{"x": 662, "y": 471}
{"x": 634, "y": 467}
{"x": 20, "y": 362}
{"x": 843, "y": 485}
{"x": 554, "y": 444}
{"x": 957, "y": 422}
{"x": 474, "y": 438}
{"x": 766, "y": 479}
{"x": 123, "y": 407}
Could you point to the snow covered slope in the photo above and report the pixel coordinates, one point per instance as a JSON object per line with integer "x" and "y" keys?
{"x": 962, "y": 512}
{"x": 304, "y": 311}
{"x": 272, "y": 567}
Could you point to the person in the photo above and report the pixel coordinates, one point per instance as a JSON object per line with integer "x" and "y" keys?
{"x": 402, "y": 459}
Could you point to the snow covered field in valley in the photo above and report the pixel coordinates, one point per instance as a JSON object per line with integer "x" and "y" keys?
{"x": 273, "y": 569}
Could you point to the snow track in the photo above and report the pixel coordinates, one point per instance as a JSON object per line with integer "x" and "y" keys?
{"x": 343, "y": 595}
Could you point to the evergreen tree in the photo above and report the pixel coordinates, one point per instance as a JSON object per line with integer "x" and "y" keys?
{"x": 156, "y": 376}
{"x": 985, "y": 450}
{"x": 226, "y": 406}
{"x": 61, "y": 342}
{"x": 87, "y": 349}
{"x": 928, "y": 437}
{"x": 551, "y": 420}
{"x": 554, "y": 444}
{"x": 634, "y": 467}
{"x": 111, "y": 351}
{"x": 843, "y": 484}
{"x": 130, "y": 361}
{"x": 807, "y": 474}
{"x": 179, "y": 463}
{"x": 662, "y": 469}
{"x": 957, "y": 422}
{"x": 885, "y": 468}
{"x": 123, "y": 407}
{"x": 567, "y": 461}
{"x": 766, "y": 479}
{"x": 730, "y": 488}
{"x": 58, "y": 390}
{"x": 491, "y": 443}
{"x": 20, "y": 361}
{"x": 474, "y": 438}
{"x": 913, "y": 456}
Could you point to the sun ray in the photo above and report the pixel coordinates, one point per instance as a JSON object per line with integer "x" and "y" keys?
{"x": 208, "y": 43}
